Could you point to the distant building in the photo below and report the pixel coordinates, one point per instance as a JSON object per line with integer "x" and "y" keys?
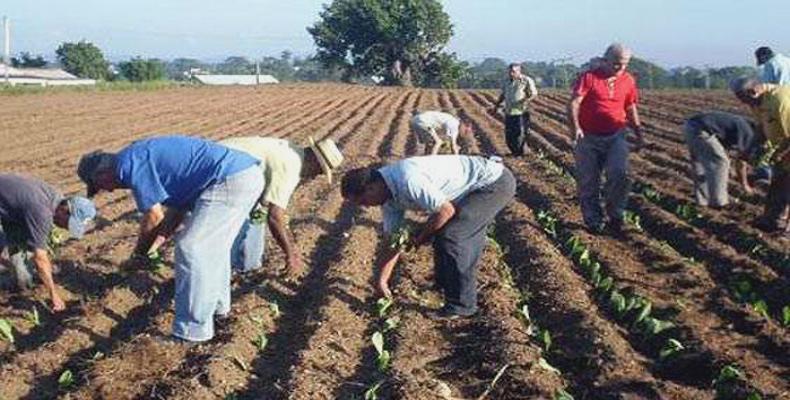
{"x": 40, "y": 76}
{"x": 234, "y": 79}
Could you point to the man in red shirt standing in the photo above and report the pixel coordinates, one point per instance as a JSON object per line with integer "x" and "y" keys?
{"x": 601, "y": 111}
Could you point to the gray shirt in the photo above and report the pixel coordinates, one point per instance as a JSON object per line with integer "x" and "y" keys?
{"x": 27, "y": 206}
{"x": 425, "y": 183}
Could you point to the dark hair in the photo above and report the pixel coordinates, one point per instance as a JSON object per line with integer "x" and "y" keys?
{"x": 513, "y": 65}
{"x": 355, "y": 181}
{"x": 764, "y": 51}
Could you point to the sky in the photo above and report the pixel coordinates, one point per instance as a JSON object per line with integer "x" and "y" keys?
{"x": 668, "y": 32}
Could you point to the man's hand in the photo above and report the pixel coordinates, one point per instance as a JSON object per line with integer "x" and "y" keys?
{"x": 294, "y": 265}
{"x": 577, "y": 135}
{"x": 383, "y": 287}
{"x": 748, "y": 189}
{"x": 640, "y": 139}
{"x": 57, "y": 303}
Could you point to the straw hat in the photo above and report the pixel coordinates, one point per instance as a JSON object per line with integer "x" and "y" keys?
{"x": 328, "y": 155}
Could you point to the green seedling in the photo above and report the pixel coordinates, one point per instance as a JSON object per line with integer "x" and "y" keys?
{"x": 33, "y": 317}
{"x": 400, "y": 240}
{"x": 383, "y": 359}
{"x": 584, "y": 258}
{"x": 390, "y": 324}
{"x": 545, "y": 338}
{"x": 654, "y": 326}
{"x": 645, "y": 308}
{"x": 618, "y": 303}
{"x": 761, "y": 307}
{"x": 275, "y": 309}
{"x": 240, "y": 363}
{"x": 548, "y": 222}
{"x": 561, "y": 394}
{"x": 670, "y": 349}
{"x": 7, "y": 330}
{"x": 542, "y": 363}
{"x": 523, "y": 315}
{"x": 633, "y": 219}
{"x": 156, "y": 262}
{"x": 605, "y": 284}
{"x": 786, "y": 315}
{"x": 57, "y": 237}
{"x": 687, "y": 212}
{"x": 66, "y": 379}
{"x": 575, "y": 246}
{"x": 372, "y": 392}
{"x": 258, "y": 215}
{"x": 383, "y": 304}
{"x": 754, "y": 396}
{"x": 728, "y": 373}
{"x": 261, "y": 341}
{"x": 651, "y": 194}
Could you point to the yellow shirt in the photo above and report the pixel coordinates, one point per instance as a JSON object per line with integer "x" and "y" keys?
{"x": 281, "y": 162}
{"x": 774, "y": 115}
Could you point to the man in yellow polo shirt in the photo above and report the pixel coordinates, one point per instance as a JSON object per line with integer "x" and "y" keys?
{"x": 284, "y": 165}
{"x": 771, "y": 104}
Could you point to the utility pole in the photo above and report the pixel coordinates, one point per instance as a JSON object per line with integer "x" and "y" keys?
{"x": 7, "y": 47}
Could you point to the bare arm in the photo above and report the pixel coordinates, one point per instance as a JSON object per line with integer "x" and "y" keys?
{"x": 743, "y": 176}
{"x": 44, "y": 267}
{"x": 573, "y": 117}
{"x": 277, "y": 222}
{"x": 435, "y": 223}
{"x": 385, "y": 272}
{"x": 149, "y": 229}
{"x": 632, "y": 114}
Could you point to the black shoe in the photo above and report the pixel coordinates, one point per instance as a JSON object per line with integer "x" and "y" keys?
{"x": 616, "y": 229}
{"x": 596, "y": 229}
{"x": 449, "y": 314}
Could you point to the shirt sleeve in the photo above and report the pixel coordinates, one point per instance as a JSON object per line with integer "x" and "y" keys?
{"x": 424, "y": 193}
{"x": 280, "y": 187}
{"x": 532, "y": 90}
{"x": 38, "y": 221}
{"x": 633, "y": 95}
{"x": 582, "y": 86}
{"x": 393, "y": 217}
{"x": 146, "y": 186}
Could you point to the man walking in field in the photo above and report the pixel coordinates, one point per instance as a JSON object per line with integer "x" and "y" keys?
{"x": 602, "y": 108}
{"x": 434, "y": 128}
{"x": 774, "y": 68}
{"x": 461, "y": 195}
{"x": 29, "y": 210}
{"x": 709, "y": 135}
{"x": 771, "y": 104}
{"x": 209, "y": 188}
{"x": 284, "y": 165}
{"x": 517, "y": 91}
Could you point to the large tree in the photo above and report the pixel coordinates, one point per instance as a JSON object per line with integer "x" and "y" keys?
{"x": 140, "y": 70}
{"x": 393, "y": 39}
{"x": 83, "y": 59}
{"x": 26, "y": 60}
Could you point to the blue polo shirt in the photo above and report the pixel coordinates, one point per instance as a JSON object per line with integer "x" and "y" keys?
{"x": 174, "y": 170}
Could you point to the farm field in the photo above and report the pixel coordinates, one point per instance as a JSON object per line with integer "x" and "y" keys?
{"x": 694, "y": 304}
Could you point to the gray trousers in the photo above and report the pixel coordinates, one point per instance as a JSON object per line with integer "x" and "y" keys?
{"x": 458, "y": 246}
{"x": 23, "y": 269}
{"x": 710, "y": 165}
{"x": 597, "y": 154}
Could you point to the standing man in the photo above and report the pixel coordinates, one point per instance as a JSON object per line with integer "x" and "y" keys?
{"x": 215, "y": 185}
{"x": 709, "y": 135}
{"x": 28, "y": 210}
{"x": 461, "y": 194}
{"x": 433, "y": 128}
{"x": 771, "y": 105}
{"x": 602, "y": 108}
{"x": 775, "y": 68}
{"x": 517, "y": 91}
{"x": 284, "y": 165}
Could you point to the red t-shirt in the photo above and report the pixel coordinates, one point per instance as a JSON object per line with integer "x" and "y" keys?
{"x": 602, "y": 111}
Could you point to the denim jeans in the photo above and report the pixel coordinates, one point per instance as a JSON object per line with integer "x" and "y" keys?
{"x": 23, "y": 268}
{"x": 596, "y": 154}
{"x": 711, "y": 167}
{"x": 249, "y": 247}
{"x": 458, "y": 246}
{"x": 202, "y": 263}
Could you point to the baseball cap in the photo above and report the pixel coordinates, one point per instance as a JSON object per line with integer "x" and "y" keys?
{"x": 81, "y": 213}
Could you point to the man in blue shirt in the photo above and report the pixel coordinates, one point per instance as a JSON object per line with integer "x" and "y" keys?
{"x": 462, "y": 195}
{"x": 216, "y": 185}
{"x": 774, "y": 68}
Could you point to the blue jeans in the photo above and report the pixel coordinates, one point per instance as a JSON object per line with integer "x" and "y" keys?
{"x": 202, "y": 264}
{"x": 249, "y": 247}
{"x": 595, "y": 155}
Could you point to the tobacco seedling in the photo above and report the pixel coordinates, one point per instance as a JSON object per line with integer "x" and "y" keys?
{"x": 786, "y": 316}
{"x": 390, "y": 324}
{"x": 761, "y": 307}
{"x": 633, "y": 219}
{"x": 728, "y": 373}
{"x": 548, "y": 367}
{"x": 383, "y": 358}
{"x": 66, "y": 379}
{"x": 261, "y": 341}
{"x": 523, "y": 315}
{"x": 654, "y": 326}
{"x": 670, "y": 349}
{"x": 562, "y": 395}
{"x": 258, "y": 215}
{"x": 7, "y": 330}
{"x": 372, "y": 392}
{"x": 687, "y": 212}
{"x": 156, "y": 262}
{"x": 545, "y": 338}
{"x": 383, "y": 304}
{"x": 275, "y": 309}
{"x": 618, "y": 303}
{"x": 605, "y": 284}
{"x": 400, "y": 240}
{"x": 33, "y": 317}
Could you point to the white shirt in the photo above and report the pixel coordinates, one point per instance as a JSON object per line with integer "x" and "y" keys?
{"x": 437, "y": 121}
{"x": 776, "y": 70}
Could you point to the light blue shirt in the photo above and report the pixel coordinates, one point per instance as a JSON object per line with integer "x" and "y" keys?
{"x": 776, "y": 70}
{"x": 425, "y": 183}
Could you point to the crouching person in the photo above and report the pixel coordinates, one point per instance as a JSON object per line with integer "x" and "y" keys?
{"x": 709, "y": 136}
{"x": 28, "y": 210}
{"x": 462, "y": 194}
{"x": 284, "y": 166}
{"x": 208, "y": 189}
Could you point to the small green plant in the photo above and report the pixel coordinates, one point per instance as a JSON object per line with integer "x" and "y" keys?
{"x": 258, "y": 215}
{"x": 372, "y": 392}
{"x": 383, "y": 358}
{"x": 383, "y": 305}
{"x": 633, "y": 219}
{"x": 670, "y": 349}
{"x": 261, "y": 341}
{"x": 728, "y": 373}
{"x": 618, "y": 303}
{"x": 688, "y": 212}
{"x": 651, "y": 194}
{"x": 390, "y": 324}
{"x": 561, "y": 394}
{"x": 545, "y": 338}
{"x": 523, "y": 315}
{"x": 761, "y": 307}
{"x": 548, "y": 222}
{"x": 7, "y": 330}
{"x": 66, "y": 379}
{"x": 654, "y": 326}
{"x": 156, "y": 262}
{"x": 33, "y": 317}
{"x": 400, "y": 240}
{"x": 786, "y": 315}
{"x": 275, "y": 309}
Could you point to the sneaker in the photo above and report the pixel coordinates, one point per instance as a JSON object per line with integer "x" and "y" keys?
{"x": 449, "y": 314}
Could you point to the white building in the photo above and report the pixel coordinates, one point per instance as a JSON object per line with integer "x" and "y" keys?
{"x": 40, "y": 76}
{"x": 234, "y": 79}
